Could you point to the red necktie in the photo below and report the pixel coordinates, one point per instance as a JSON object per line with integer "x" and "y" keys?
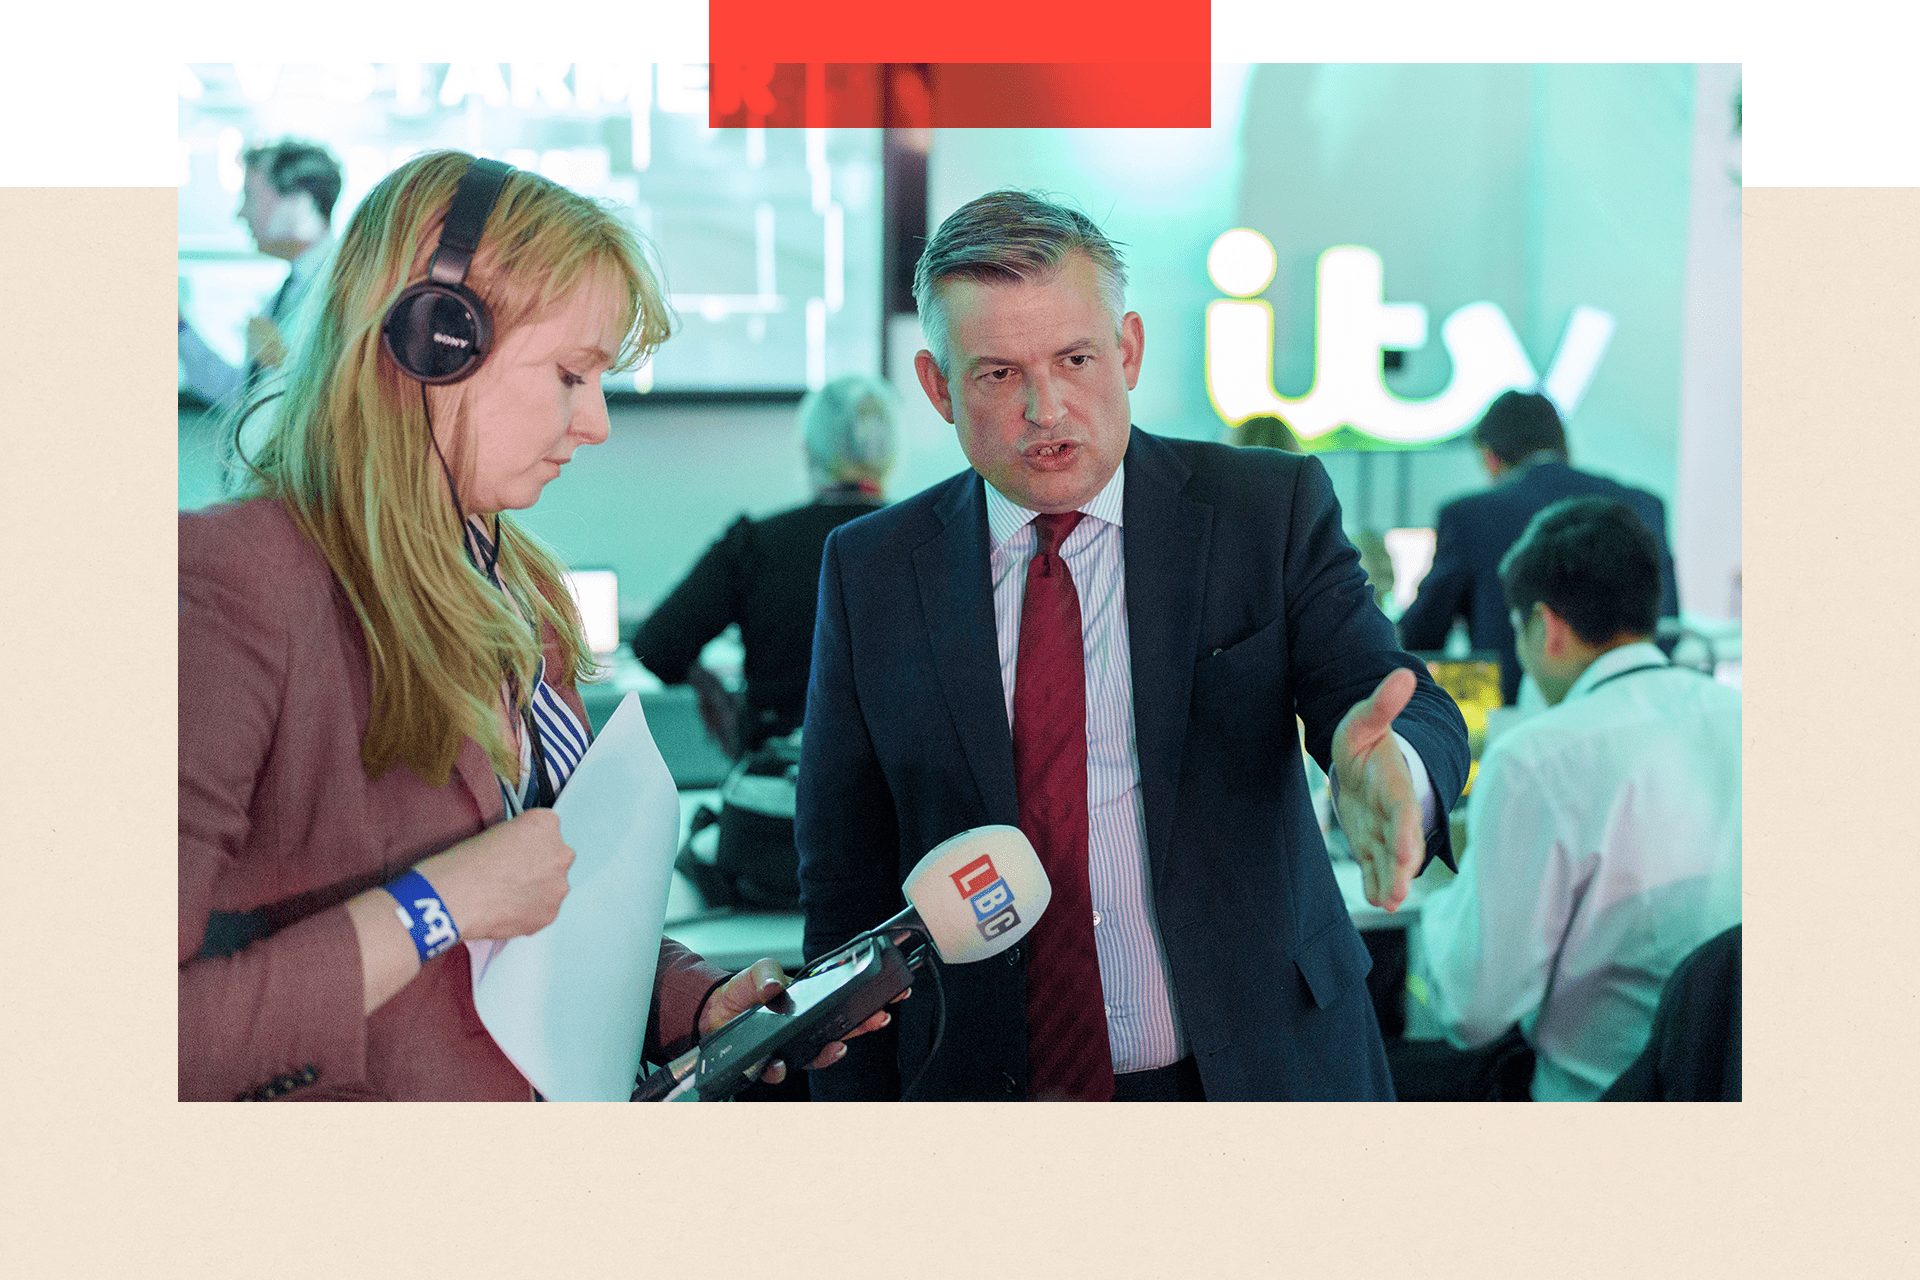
{"x": 1068, "y": 1056}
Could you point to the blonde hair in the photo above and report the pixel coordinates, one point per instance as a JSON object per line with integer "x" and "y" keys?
{"x": 351, "y": 455}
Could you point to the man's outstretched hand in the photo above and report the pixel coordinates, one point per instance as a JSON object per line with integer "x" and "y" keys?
{"x": 1378, "y": 810}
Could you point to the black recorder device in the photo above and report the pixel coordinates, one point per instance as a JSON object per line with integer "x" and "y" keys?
{"x": 794, "y": 1026}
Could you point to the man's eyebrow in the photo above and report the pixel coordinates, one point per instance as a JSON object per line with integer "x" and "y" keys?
{"x": 1072, "y": 348}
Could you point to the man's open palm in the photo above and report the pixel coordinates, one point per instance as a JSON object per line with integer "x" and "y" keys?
{"x": 1376, "y": 801}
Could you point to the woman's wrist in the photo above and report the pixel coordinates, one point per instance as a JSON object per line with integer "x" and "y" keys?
{"x": 388, "y": 958}
{"x": 423, "y": 913}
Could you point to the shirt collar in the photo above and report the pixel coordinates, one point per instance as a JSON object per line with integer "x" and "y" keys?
{"x": 1532, "y": 460}
{"x": 1642, "y": 653}
{"x": 303, "y": 267}
{"x": 1006, "y": 517}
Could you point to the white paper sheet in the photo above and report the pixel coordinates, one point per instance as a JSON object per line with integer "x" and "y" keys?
{"x": 568, "y": 1005}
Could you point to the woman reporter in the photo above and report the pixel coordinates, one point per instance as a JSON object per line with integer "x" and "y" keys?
{"x": 377, "y": 667}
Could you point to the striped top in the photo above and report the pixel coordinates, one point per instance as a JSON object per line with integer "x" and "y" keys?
{"x": 563, "y": 739}
{"x": 1143, "y": 1025}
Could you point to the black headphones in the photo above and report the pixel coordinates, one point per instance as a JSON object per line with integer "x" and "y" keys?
{"x": 438, "y": 331}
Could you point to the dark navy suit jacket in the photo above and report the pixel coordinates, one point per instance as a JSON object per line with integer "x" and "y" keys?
{"x": 1245, "y": 606}
{"x": 1475, "y": 531}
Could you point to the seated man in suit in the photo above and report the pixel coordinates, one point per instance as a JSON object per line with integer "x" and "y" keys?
{"x": 1603, "y": 834}
{"x": 1103, "y": 637}
{"x": 1524, "y": 449}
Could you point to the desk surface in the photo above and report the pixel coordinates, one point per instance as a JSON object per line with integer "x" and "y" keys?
{"x": 732, "y": 939}
{"x": 673, "y": 718}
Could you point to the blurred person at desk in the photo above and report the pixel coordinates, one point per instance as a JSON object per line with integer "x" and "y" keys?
{"x": 763, "y": 575}
{"x": 1603, "y": 834}
{"x": 1523, "y": 447}
{"x": 377, "y": 666}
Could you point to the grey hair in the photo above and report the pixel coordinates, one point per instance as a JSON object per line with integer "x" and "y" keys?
{"x": 849, "y": 429}
{"x": 1004, "y": 237}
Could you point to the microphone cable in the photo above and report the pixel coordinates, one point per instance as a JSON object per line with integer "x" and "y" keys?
{"x": 939, "y": 1022}
{"x": 240, "y": 424}
{"x": 925, "y": 954}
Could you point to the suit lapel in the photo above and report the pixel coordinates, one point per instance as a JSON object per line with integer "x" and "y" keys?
{"x": 1166, "y": 537}
{"x": 476, "y": 774}
{"x": 956, "y": 600}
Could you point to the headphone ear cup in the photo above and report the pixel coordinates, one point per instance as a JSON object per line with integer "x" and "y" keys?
{"x": 437, "y": 333}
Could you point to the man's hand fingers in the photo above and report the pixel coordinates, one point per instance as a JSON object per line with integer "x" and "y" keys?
{"x": 1404, "y": 848}
{"x": 1374, "y": 717}
{"x": 1388, "y": 848}
{"x": 758, "y": 983}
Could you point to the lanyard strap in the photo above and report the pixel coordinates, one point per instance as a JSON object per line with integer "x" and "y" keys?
{"x": 544, "y": 791}
{"x": 1645, "y": 666}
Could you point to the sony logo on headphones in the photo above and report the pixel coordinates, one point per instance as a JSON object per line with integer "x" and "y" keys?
{"x": 450, "y": 340}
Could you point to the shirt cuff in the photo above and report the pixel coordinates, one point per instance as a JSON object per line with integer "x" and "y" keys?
{"x": 1422, "y": 785}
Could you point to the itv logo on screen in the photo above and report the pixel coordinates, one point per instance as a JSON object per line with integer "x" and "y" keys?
{"x": 1352, "y": 326}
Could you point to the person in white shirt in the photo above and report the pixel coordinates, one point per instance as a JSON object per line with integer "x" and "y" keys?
{"x": 1603, "y": 835}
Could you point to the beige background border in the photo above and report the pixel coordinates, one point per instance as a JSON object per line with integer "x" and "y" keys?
{"x": 102, "y": 1172}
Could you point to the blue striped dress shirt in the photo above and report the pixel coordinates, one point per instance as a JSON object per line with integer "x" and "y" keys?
{"x": 1143, "y": 1024}
{"x": 1143, "y": 1017}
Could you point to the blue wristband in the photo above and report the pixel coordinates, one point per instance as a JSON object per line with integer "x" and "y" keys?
{"x": 418, "y": 905}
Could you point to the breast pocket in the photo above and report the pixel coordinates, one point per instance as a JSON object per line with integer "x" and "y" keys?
{"x": 1238, "y": 691}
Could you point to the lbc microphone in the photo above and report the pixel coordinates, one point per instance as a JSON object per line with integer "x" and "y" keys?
{"x": 973, "y": 896}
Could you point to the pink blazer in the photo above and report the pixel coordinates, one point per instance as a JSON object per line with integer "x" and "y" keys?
{"x": 280, "y": 825}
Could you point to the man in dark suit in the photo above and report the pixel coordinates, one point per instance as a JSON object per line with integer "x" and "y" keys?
{"x": 288, "y": 193}
{"x": 1524, "y": 449}
{"x": 1216, "y": 599}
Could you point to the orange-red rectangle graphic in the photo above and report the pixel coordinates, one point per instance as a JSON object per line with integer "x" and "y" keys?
{"x": 981, "y": 31}
{"x": 960, "y": 95}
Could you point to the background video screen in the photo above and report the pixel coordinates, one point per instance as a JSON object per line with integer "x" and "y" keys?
{"x": 768, "y": 240}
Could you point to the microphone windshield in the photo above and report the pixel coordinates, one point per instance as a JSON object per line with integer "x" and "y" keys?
{"x": 978, "y": 893}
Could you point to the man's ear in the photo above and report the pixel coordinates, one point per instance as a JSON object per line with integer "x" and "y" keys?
{"x": 934, "y": 383}
{"x": 1133, "y": 345}
{"x": 1560, "y": 637}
